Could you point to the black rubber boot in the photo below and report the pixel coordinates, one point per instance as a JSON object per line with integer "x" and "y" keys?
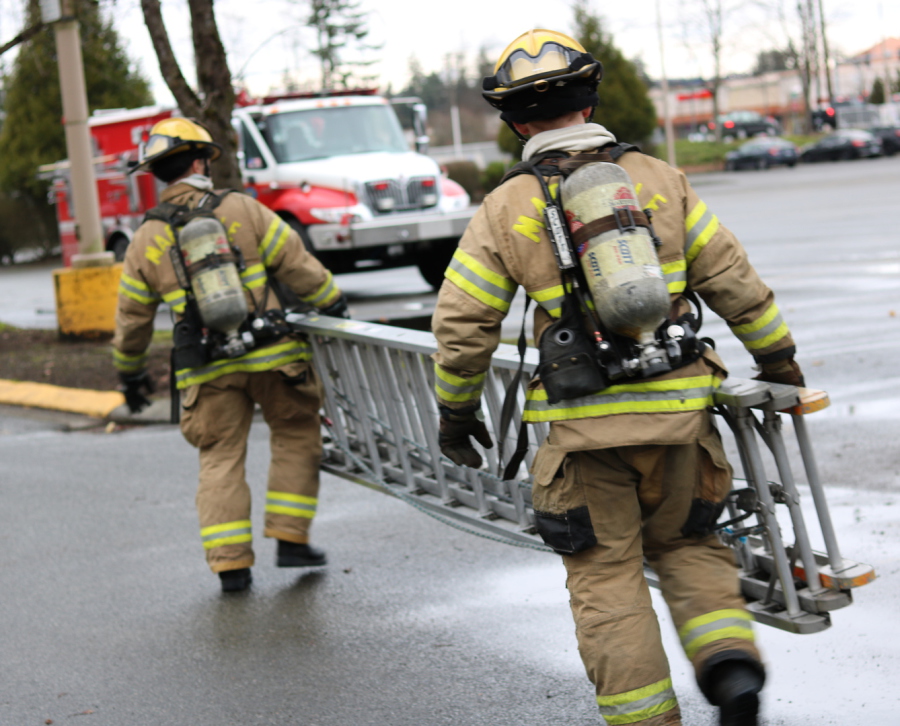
{"x": 291, "y": 554}
{"x": 236, "y": 580}
{"x": 734, "y": 687}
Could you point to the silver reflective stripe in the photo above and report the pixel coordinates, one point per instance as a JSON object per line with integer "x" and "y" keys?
{"x": 454, "y": 388}
{"x": 256, "y": 361}
{"x": 641, "y": 709}
{"x": 283, "y": 503}
{"x": 676, "y": 281}
{"x": 254, "y": 276}
{"x": 476, "y": 285}
{"x": 550, "y": 299}
{"x": 137, "y": 291}
{"x": 273, "y": 241}
{"x": 763, "y": 332}
{"x": 226, "y": 533}
{"x": 602, "y": 400}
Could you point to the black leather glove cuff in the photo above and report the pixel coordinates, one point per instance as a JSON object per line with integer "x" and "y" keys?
{"x": 337, "y": 309}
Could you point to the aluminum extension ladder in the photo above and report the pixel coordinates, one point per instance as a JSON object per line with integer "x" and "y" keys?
{"x": 383, "y": 433}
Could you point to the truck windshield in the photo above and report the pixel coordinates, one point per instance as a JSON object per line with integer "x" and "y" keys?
{"x": 324, "y": 132}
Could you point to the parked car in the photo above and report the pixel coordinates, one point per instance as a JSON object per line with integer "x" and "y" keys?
{"x": 761, "y": 154}
{"x": 890, "y": 138}
{"x": 842, "y": 144}
{"x": 744, "y": 124}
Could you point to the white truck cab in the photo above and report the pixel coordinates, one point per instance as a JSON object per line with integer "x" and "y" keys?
{"x": 340, "y": 171}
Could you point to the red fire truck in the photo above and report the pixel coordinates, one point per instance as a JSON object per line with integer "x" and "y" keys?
{"x": 338, "y": 168}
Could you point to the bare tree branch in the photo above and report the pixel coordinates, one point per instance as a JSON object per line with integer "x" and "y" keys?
{"x": 213, "y": 103}
{"x": 26, "y": 34}
{"x": 185, "y": 97}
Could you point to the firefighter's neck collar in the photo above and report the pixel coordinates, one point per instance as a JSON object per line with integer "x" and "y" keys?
{"x": 583, "y": 137}
{"x": 198, "y": 181}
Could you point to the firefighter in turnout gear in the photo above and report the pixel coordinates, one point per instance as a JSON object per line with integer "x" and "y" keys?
{"x": 635, "y": 470}
{"x": 219, "y": 386}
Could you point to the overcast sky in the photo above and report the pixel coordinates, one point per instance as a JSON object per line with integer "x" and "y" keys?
{"x": 266, "y": 38}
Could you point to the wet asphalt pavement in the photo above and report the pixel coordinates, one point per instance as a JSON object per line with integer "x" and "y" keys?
{"x": 109, "y": 616}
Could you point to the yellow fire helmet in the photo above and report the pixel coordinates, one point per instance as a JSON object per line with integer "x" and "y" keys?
{"x": 542, "y": 74}
{"x": 175, "y": 136}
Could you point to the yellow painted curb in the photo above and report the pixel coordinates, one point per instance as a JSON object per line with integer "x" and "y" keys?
{"x": 75, "y": 400}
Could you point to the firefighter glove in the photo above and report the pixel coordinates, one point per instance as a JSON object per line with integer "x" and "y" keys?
{"x": 457, "y": 425}
{"x": 337, "y": 309}
{"x": 783, "y": 371}
{"x": 132, "y": 386}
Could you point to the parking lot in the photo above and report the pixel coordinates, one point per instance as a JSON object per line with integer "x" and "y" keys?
{"x": 108, "y": 615}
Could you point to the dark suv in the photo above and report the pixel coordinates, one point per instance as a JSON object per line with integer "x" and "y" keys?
{"x": 743, "y": 124}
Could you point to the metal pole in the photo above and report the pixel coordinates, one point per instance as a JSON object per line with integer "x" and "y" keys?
{"x": 88, "y": 227}
{"x": 667, "y": 113}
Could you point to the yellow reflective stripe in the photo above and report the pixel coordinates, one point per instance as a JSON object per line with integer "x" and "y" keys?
{"x": 450, "y": 387}
{"x": 639, "y": 704}
{"x": 550, "y": 299}
{"x": 293, "y": 505}
{"x": 679, "y": 394}
{"x": 137, "y": 290}
{"x": 482, "y": 283}
{"x": 717, "y": 625}
{"x": 129, "y": 363}
{"x": 325, "y": 295}
{"x": 700, "y": 225}
{"x": 273, "y": 241}
{"x": 176, "y": 300}
{"x": 254, "y": 276}
{"x": 766, "y": 330}
{"x": 768, "y": 340}
{"x": 762, "y": 321}
{"x": 675, "y": 275}
{"x": 228, "y": 533}
{"x": 263, "y": 359}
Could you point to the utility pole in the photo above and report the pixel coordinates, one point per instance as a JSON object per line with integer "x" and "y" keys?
{"x": 88, "y": 229}
{"x": 86, "y": 293}
{"x": 667, "y": 114}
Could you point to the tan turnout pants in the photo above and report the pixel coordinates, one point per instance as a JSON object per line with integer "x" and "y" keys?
{"x": 633, "y": 501}
{"x": 216, "y": 418}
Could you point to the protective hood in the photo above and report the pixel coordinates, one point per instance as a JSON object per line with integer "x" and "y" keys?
{"x": 583, "y": 137}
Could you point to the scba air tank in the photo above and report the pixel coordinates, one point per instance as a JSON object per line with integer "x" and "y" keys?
{"x": 215, "y": 281}
{"x": 621, "y": 267}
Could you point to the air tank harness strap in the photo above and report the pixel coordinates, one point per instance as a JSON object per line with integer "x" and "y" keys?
{"x": 624, "y": 220}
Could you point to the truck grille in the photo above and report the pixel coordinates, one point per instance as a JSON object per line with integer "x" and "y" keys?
{"x": 389, "y": 196}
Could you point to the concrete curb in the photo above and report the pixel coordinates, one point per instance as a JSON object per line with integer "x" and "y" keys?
{"x": 98, "y": 404}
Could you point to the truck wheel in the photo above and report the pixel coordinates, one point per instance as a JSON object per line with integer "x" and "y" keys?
{"x": 119, "y": 246}
{"x": 434, "y": 261}
{"x": 295, "y": 225}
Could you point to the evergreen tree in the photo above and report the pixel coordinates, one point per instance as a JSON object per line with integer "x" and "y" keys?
{"x": 877, "y": 94}
{"x": 338, "y": 23}
{"x": 32, "y": 132}
{"x": 625, "y": 108}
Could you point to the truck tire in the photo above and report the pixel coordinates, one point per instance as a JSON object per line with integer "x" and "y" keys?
{"x": 434, "y": 261}
{"x": 296, "y": 225}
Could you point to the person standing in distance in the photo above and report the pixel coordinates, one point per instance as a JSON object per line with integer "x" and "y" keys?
{"x": 635, "y": 470}
{"x": 219, "y": 390}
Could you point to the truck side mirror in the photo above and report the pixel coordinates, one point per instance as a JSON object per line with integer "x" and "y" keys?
{"x": 420, "y": 127}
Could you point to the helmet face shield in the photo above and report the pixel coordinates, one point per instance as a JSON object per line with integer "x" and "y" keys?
{"x": 522, "y": 67}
